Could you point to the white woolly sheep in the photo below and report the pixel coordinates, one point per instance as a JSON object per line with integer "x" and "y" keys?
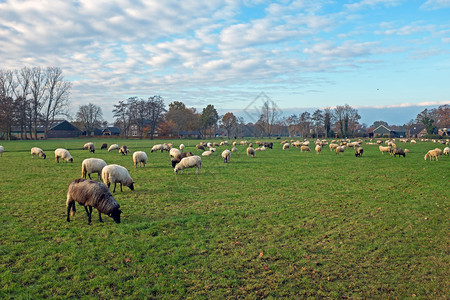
{"x": 318, "y": 148}
{"x": 234, "y": 149}
{"x": 166, "y": 147}
{"x": 234, "y": 144}
{"x": 213, "y": 149}
{"x": 209, "y": 145}
{"x": 285, "y": 146}
{"x": 124, "y": 150}
{"x": 439, "y": 151}
{"x": 117, "y": 174}
{"x": 158, "y": 147}
{"x": 333, "y": 146}
{"x": 446, "y": 151}
{"x": 189, "y": 162}
{"x": 38, "y": 152}
{"x": 226, "y": 156}
{"x": 359, "y": 152}
{"x": 384, "y": 149}
{"x": 305, "y": 148}
{"x": 250, "y": 152}
{"x": 174, "y": 152}
{"x": 340, "y": 149}
{"x": 432, "y": 153}
{"x": 139, "y": 157}
{"x": 176, "y": 159}
{"x": 2, "y": 149}
{"x": 113, "y": 147}
{"x": 90, "y": 193}
{"x": 89, "y": 146}
{"x": 92, "y": 165}
{"x": 63, "y": 154}
{"x": 181, "y": 147}
{"x": 207, "y": 153}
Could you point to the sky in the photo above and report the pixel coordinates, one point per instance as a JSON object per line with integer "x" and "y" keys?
{"x": 388, "y": 59}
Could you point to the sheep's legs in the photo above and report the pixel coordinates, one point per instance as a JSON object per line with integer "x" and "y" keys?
{"x": 114, "y": 187}
{"x": 68, "y": 210}
{"x": 100, "y": 217}
{"x": 121, "y": 187}
{"x": 90, "y": 215}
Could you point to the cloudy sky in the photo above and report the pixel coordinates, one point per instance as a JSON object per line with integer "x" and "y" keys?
{"x": 303, "y": 54}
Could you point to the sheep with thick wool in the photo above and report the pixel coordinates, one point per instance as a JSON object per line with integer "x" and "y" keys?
{"x": 340, "y": 149}
{"x": 38, "y": 152}
{"x": 177, "y": 158}
{"x": 2, "y": 149}
{"x": 124, "y": 150}
{"x": 226, "y": 154}
{"x": 207, "y": 153}
{"x": 383, "y": 149}
{"x": 250, "y": 152}
{"x": 305, "y": 148}
{"x": 104, "y": 146}
{"x": 285, "y": 146}
{"x": 333, "y": 146}
{"x": 89, "y": 146}
{"x": 234, "y": 149}
{"x": 359, "y": 152}
{"x": 446, "y": 151}
{"x": 113, "y": 147}
{"x": 194, "y": 161}
{"x": 117, "y": 174}
{"x": 433, "y": 153}
{"x": 398, "y": 151}
{"x": 90, "y": 193}
{"x": 92, "y": 165}
{"x": 181, "y": 147}
{"x": 158, "y": 147}
{"x": 318, "y": 148}
{"x": 63, "y": 154}
{"x": 139, "y": 157}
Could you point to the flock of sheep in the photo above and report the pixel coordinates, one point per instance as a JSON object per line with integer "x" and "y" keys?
{"x": 90, "y": 193}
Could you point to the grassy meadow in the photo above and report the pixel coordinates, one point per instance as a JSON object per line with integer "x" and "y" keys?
{"x": 284, "y": 224}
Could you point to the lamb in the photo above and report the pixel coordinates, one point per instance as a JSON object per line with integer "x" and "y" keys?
{"x": 124, "y": 150}
{"x": 90, "y": 193}
{"x": 212, "y": 149}
{"x": 2, "y": 149}
{"x": 432, "y": 153}
{"x": 90, "y": 147}
{"x": 384, "y": 149}
{"x": 340, "y": 149}
{"x": 104, "y": 146}
{"x": 189, "y": 162}
{"x": 305, "y": 148}
{"x": 117, "y": 174}
{"x": 285, "y": 146}
{"x": 359, "y": 152}
{"x": 178, "y": 158}
{"x": 250, "y": 152}
{"x": 113, "y": 147}
{"x": 446, "y": 151}
{"x": 139, "y": 157}
{"x": 398, "y": 151}
{"x": 38, "y": 152}
{"x": 234, "y": 149}
{"x": 64, "y": 154}
{"x": 226, "y": 156}
{"x": 92, "y": 165}
{"x": 207, "y": 153}
{"x": 318, "y": 148}
{"x": 181, "y": 147}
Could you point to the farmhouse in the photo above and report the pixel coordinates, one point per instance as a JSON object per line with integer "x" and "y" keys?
{"x": 111, "y": 131}
{"x": 382, "y": 130}
{"x": 63, "y": 129}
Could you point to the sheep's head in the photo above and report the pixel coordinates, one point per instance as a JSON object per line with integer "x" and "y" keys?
{"x": 115, "y": 215}
{"x": 71, "y": 160}
{"x": 131, "y": 186}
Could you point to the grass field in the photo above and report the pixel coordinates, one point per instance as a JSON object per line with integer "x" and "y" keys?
{"x": 284, "y": 224}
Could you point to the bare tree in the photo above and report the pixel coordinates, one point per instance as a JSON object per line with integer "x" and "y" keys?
{"x": 37, "y": 91}
{"x": 155, "y": 109}
{"x": 347, "y": 118}
{"x": 121, "y": 113}
{"x": 268, "y": 118}
{"x": 292, "y": 124}
{"x": 56, "y": 98}
{"x": 229, "y": 123}
{"x": 90, "y": 116}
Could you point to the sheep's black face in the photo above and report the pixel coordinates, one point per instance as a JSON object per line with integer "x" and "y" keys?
{"x": 116, "y": 215}
{"x": 131, "y": 186}
{"x": 71, "y": 160}
{"x": 45, "y": 156}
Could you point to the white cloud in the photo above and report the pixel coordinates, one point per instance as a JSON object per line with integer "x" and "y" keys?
{"x": 435, "y": 4}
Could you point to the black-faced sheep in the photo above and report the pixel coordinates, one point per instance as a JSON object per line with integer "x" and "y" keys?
{"x": 92, "y": 165}
{"x": 124, "y": 150}
{"x": 104, "y": 146}
{"x": 305, "y": 148}
{"x": 398, "y": 151}
{"x": 226, "y": 156}
{"x": 63, "y": 154}
{"x": 90, "y": 193}
{"x": 318, "y": 148}
{"x": 432, "y": 153}
{"x": 340, "y": 149}
{"x": 90, "y": 147}
{"x": 250, "y": 152}
{"x": 38, "y": 152}
{"x": 446, "y": 151}
{"x": 189, "y": 162}
{"x": 139, "y": 157}
{"x": 178, "y": 158}
{"x": 200, "y": 147}
{"x": 117, "y": 174}
{"x": 359, "y": 152}
{"x": 113, "y": 147}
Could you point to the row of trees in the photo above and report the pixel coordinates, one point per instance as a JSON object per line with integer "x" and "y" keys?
{"x": 30, "y": 97}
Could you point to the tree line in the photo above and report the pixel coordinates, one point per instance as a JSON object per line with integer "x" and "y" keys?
{"x": 31, "y": 97}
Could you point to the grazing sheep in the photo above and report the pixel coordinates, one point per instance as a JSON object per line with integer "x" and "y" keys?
{"x": 139, "y": 157}
{"x": 181, "y": 147}
{"x": 318, "y": 148}
{"x": 117, "y": 174}
{"x": 124, "y": 150}
{"x": 89, "y": 146}
{"x": 104, "y": 146}
{"x": 38, "y": 152}
{"x": 234, "y": 144}
{"x": 446, "y": 151}
{"x": 407, "y": 150}
{"x": 200, "y": 147}
{"x": 384, "y": 149}
{"x": 209, "y": 145}
{"x": 305, "y": 148}
{"x": 207, "y": 153}
{"x": 215, "y": 144}
{"x": 2, "y": 149}
{"x": 166, "y": 147}
{"x": 92, "y": 165}
{"x": 226, "y": 156}
{"x": 179, "y": 157}
{"x": 189, "y": 162}
{"x": 398, "y": 151}
{"x": 340, "y": 149}
{"x": 359, "y": 152}
{"x": 234, "y": 149}
{"x": 174, "y": 152}
{"x": 212, "y": 149}
{"x": 285, "y": 146}
{"x": 250, "y": 152}
{"x": 158, "y": 147}
{"x": 90, "y": 193}
{"x": 439, "y": 151}
{"x": 333, "y": 146}
{"x": 113, "y": 147}
{"x": 64, "y": 154}
{"x": 431, "y": 154}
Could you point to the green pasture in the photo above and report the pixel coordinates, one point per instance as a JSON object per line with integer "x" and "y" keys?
{"x": 284, "y": 224}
